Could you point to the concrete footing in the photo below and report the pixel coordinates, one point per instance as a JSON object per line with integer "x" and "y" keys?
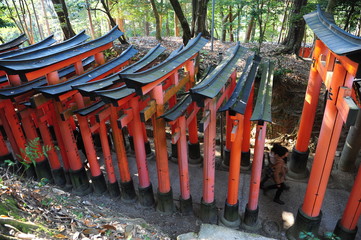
{"x": 231, "y": 217}
{"x": 208, "y": 212}
{"x": 343, "y": 233}
{"x": 297, "y": 166}
{"x": 304, "y": 223}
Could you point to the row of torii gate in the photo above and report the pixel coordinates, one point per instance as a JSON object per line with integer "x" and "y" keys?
{"x": 49, "y": 91}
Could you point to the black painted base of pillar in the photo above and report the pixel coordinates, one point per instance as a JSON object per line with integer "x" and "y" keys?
{"x": 68, "y": 184}
{"x": 8, "y": 156}
{"x": 186, "y": 206}
{"x": 174, "y": 156}
{"x": 165, "y": 202}
{"x": 250, "y": 217}
{"x": 113, "y": 189}
{"x": 80, "y": 182}
{"x": 128, "y": 194}
{"x": 194, "y": 153}
{"x": 146, "y": 196}
{"x": 99, "y": 184}
{"x": 226, "y": 158}
{"x": 208, "y": 212}
{"x": 304, "y": 223}
{"x": 30, "y": 172}
{"x": 231, "y": 217}
{"x": 246, "y": 160}
{"x": 297, "y": 166}
{"x": 43, "y": 170}
{"x": 343, "y": 233}
{"x": 59, "y": 177}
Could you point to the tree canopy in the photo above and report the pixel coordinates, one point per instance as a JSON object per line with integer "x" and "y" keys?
{"x": 247, "y": 20}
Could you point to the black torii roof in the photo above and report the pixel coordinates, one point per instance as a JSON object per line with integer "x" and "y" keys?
{"x": 336, "y": 39}
{"x": 13, "y": 43}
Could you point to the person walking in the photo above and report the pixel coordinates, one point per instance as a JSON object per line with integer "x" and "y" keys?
{"x": 279, "y": 173}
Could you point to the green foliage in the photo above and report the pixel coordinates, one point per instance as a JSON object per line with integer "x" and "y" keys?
{"x": 311, "y": 236}
{"x": 33, "y": 151}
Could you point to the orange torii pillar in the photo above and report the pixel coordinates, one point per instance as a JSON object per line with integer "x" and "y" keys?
{"x": 173, "y": 79}
{"x": 77, "y": 172}
{"x": 297, "y": 168}
{"x": 194, "y": 149}
{"x": 5, "y": 154}
{"x": 246, "y": 143}
{"x": 309, "y": 215}
{"x": 9, "y": 134}
{"x": 251, "y": 212}
{"x": 126, "y": 182}
{"x": 346, "y": 227}
{"x": 228, "y": 145}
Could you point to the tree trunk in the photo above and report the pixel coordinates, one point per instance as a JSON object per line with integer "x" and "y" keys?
{"x": 194, "y": 16}
{"x": 26, "y": 12}
{"x": 239, "y": 7}
{"x": 92, "y": 32}
{"x": 157, "y": 21}
{"x": 146, "y": 28}
{"x": 350, "y": 13}
{"x": 202, "y": 18}
{"x": 176, "y": 25}
{"x": 231, "y": 37}
{"x": 249, "y": 30}
{"x": 37, "y": 20}
{"x": 283, "y": 21}
{"x": 183, "y": 21}
{"x": 167, "y": 28}
{"x": 331, "y": 6}
{"x": 111, "y": 20}
{"x": 45, "y": 17}
{"x": 297, "y": 27}
{"x": 224, "y": 20}
{"x": 62, "y": 12}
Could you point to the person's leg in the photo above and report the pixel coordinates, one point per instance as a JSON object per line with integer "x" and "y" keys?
{"x": 278, "y": 194}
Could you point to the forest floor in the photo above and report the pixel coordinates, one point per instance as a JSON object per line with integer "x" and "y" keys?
{"x": 51, "y": 213}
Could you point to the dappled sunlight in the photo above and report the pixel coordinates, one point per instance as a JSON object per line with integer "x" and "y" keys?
{"x": 288, "y": 219}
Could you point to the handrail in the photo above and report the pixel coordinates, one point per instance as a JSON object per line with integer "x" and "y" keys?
{"x": 213, "y": 83}
{"x": 39, "y": 45}
{"x": 336, "y": 39}
{"x": 29, "y": 65}
{"x": 13, "y": 43}
{"x": 61, "y": 88}
{"x": 238, "y": 100}
{"x": 262, "y": 110}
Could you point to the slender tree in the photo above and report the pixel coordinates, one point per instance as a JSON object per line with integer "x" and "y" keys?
{"x": 63, "y": 16}
{"x": 157, "y": 21}
{"x": 183, "y": 21}
{"x": 294, "y": 37}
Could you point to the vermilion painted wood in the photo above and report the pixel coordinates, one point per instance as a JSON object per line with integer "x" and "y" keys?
{"x": 326, "y": 147}
{"x": 310, "y": 103}
{"x": 160, "y": 140}
{"x": 3, "y": 147}
{"x": 42, "y": 72}
{"x": 209, "y": 152}
{"x": 235, "y": 161}
{"x": 14, "y": 80}
{"x": 87, "y": 139}
{"x": 352, "y": 212}
{"x": 31, "y": 133}
{"x": 119, "y": 147}
{"x": 257, "y": 166}
{"x": 9, "y": 133}
{"x": 192, "y": 126}
{"x": 138, "y": 140}
{"x": 182, "y": 150}
{"x": 107, "y": 153}
{"x": 66, "y": 131}
{"x": 16, "y": 129}
{"x": 246, "y": 143}
{"x": 230, "y": 89}
{"x": 47, "y": 139}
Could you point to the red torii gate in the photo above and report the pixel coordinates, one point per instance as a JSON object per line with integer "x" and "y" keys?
{"x": 336, "y": 63}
